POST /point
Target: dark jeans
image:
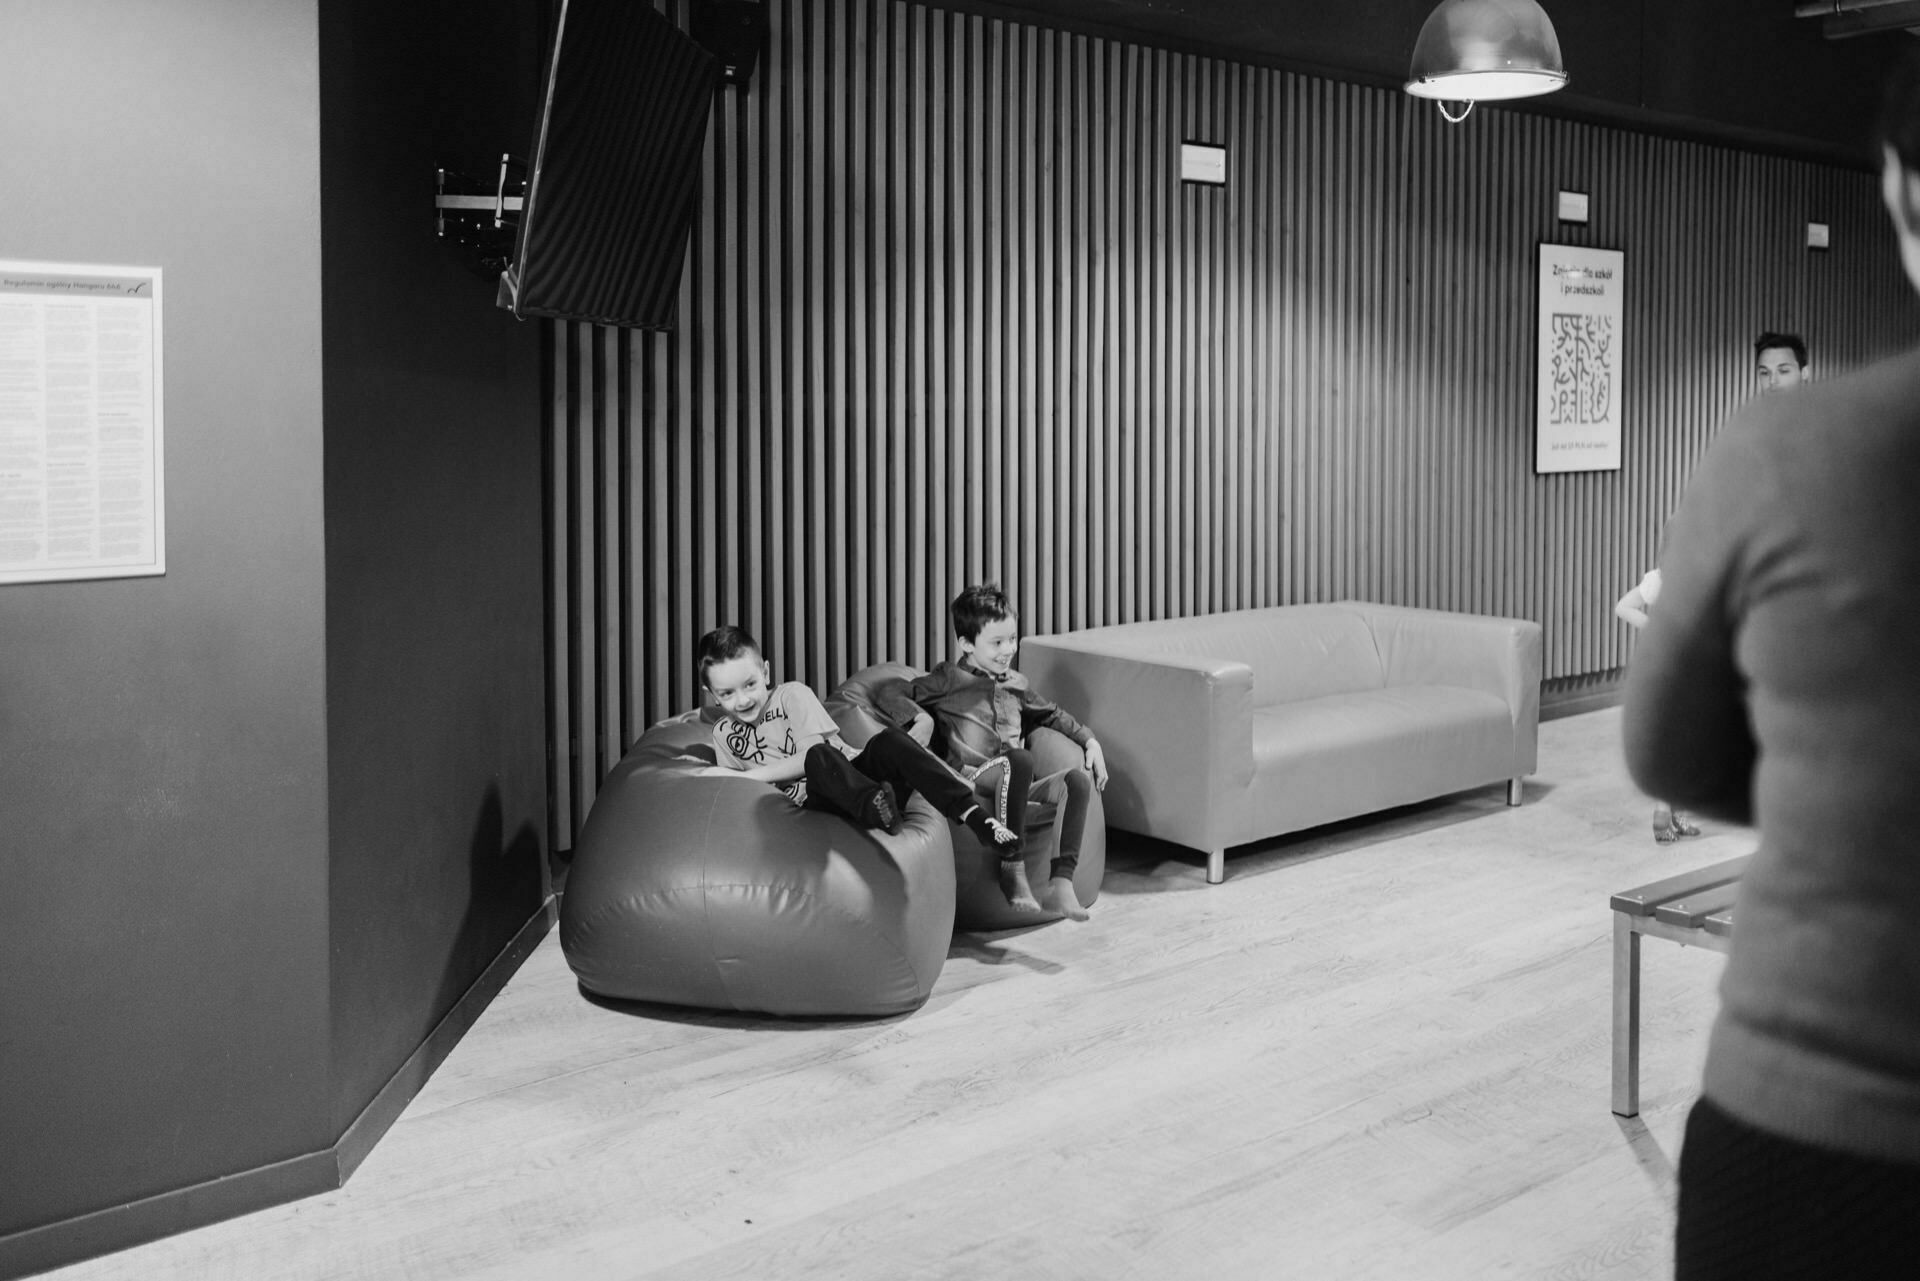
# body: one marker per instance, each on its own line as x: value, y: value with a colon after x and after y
x: 843, y: 786
x: 1758, y: 1207
x: 1069, y: 792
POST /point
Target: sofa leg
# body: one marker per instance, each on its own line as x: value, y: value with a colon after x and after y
x: 1513, y: 791
x: 1216, y: 866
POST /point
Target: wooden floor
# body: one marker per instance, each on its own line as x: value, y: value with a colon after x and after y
x: 1377, y: 1051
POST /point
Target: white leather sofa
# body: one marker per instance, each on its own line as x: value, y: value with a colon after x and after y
x: 1230, y: 728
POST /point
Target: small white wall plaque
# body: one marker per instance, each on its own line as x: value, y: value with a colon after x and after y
x: 1203, y: 162
x: 1816, y: 235
x: 1573, y: 206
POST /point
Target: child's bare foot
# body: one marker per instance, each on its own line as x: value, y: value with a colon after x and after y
x: 989, y: 829
x: 1059, y: 897
x: 1013, y: 883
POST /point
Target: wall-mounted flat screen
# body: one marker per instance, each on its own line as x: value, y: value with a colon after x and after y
x: 615, y: 176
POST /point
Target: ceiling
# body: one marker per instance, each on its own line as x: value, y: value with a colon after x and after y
x: 1845, y: 19
x: 1745, y: 72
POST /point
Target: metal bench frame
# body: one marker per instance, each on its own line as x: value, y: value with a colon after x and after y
x: 1694, y: 909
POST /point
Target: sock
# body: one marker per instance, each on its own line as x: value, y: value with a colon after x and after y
x: 880, y: 810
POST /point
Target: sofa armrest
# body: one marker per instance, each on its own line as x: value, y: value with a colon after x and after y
x: 1498, y: 656
x: 1177, y: 731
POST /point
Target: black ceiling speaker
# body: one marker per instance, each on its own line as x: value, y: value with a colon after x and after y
x: 733, y: 31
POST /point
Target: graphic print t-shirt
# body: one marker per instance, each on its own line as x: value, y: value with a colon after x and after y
x: 793, y: 715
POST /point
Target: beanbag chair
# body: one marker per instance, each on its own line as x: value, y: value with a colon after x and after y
x: 721, y: 893
x: 978, y: 902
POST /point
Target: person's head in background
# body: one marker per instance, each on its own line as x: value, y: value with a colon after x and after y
x: 1781, y: 359
x: 1899, y: 134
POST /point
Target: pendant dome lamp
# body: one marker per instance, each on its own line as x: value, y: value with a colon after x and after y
x: 1485, y: 50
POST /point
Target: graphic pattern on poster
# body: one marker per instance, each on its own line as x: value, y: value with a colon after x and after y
x: 1582, y: 369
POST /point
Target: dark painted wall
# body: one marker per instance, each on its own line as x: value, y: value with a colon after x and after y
x: 435, y: 659
x: 163, y: 788
x: 267, y: 818
x: 1740, y: 71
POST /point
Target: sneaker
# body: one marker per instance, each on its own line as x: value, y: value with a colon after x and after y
x: 880, y: 810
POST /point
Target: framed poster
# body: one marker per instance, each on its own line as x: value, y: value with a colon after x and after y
x: 1577, y: 404
x: 81, y: 482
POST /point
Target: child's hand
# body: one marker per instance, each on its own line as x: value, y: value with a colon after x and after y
x: 1097, y: 764
x: 921, y: 731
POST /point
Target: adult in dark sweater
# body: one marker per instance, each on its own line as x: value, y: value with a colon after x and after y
x: 1778, y: 684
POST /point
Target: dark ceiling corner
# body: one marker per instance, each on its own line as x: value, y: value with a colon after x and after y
x: 1744, y: 73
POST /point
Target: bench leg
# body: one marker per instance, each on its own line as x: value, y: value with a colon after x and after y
x: 1216, y: 866
x: 1626, y: 1016
x: 1513, y: 791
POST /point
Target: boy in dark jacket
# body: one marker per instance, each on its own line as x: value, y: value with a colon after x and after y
x: 978, y: 712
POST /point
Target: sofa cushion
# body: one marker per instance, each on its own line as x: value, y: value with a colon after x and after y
x: 1322, y: 759
x: 1295, y: 651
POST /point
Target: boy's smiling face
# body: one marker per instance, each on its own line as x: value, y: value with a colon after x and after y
x: 741, y: 686
x: 993, y: 649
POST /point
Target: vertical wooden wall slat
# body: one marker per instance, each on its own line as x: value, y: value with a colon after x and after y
x: 949, y: 314
x: 583, y: 585
x: 611, y: 552
x: 560, y: 677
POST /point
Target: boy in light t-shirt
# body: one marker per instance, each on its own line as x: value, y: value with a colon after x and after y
x: 780, y: 734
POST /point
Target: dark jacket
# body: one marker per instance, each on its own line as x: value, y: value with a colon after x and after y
x: 976, y: 718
